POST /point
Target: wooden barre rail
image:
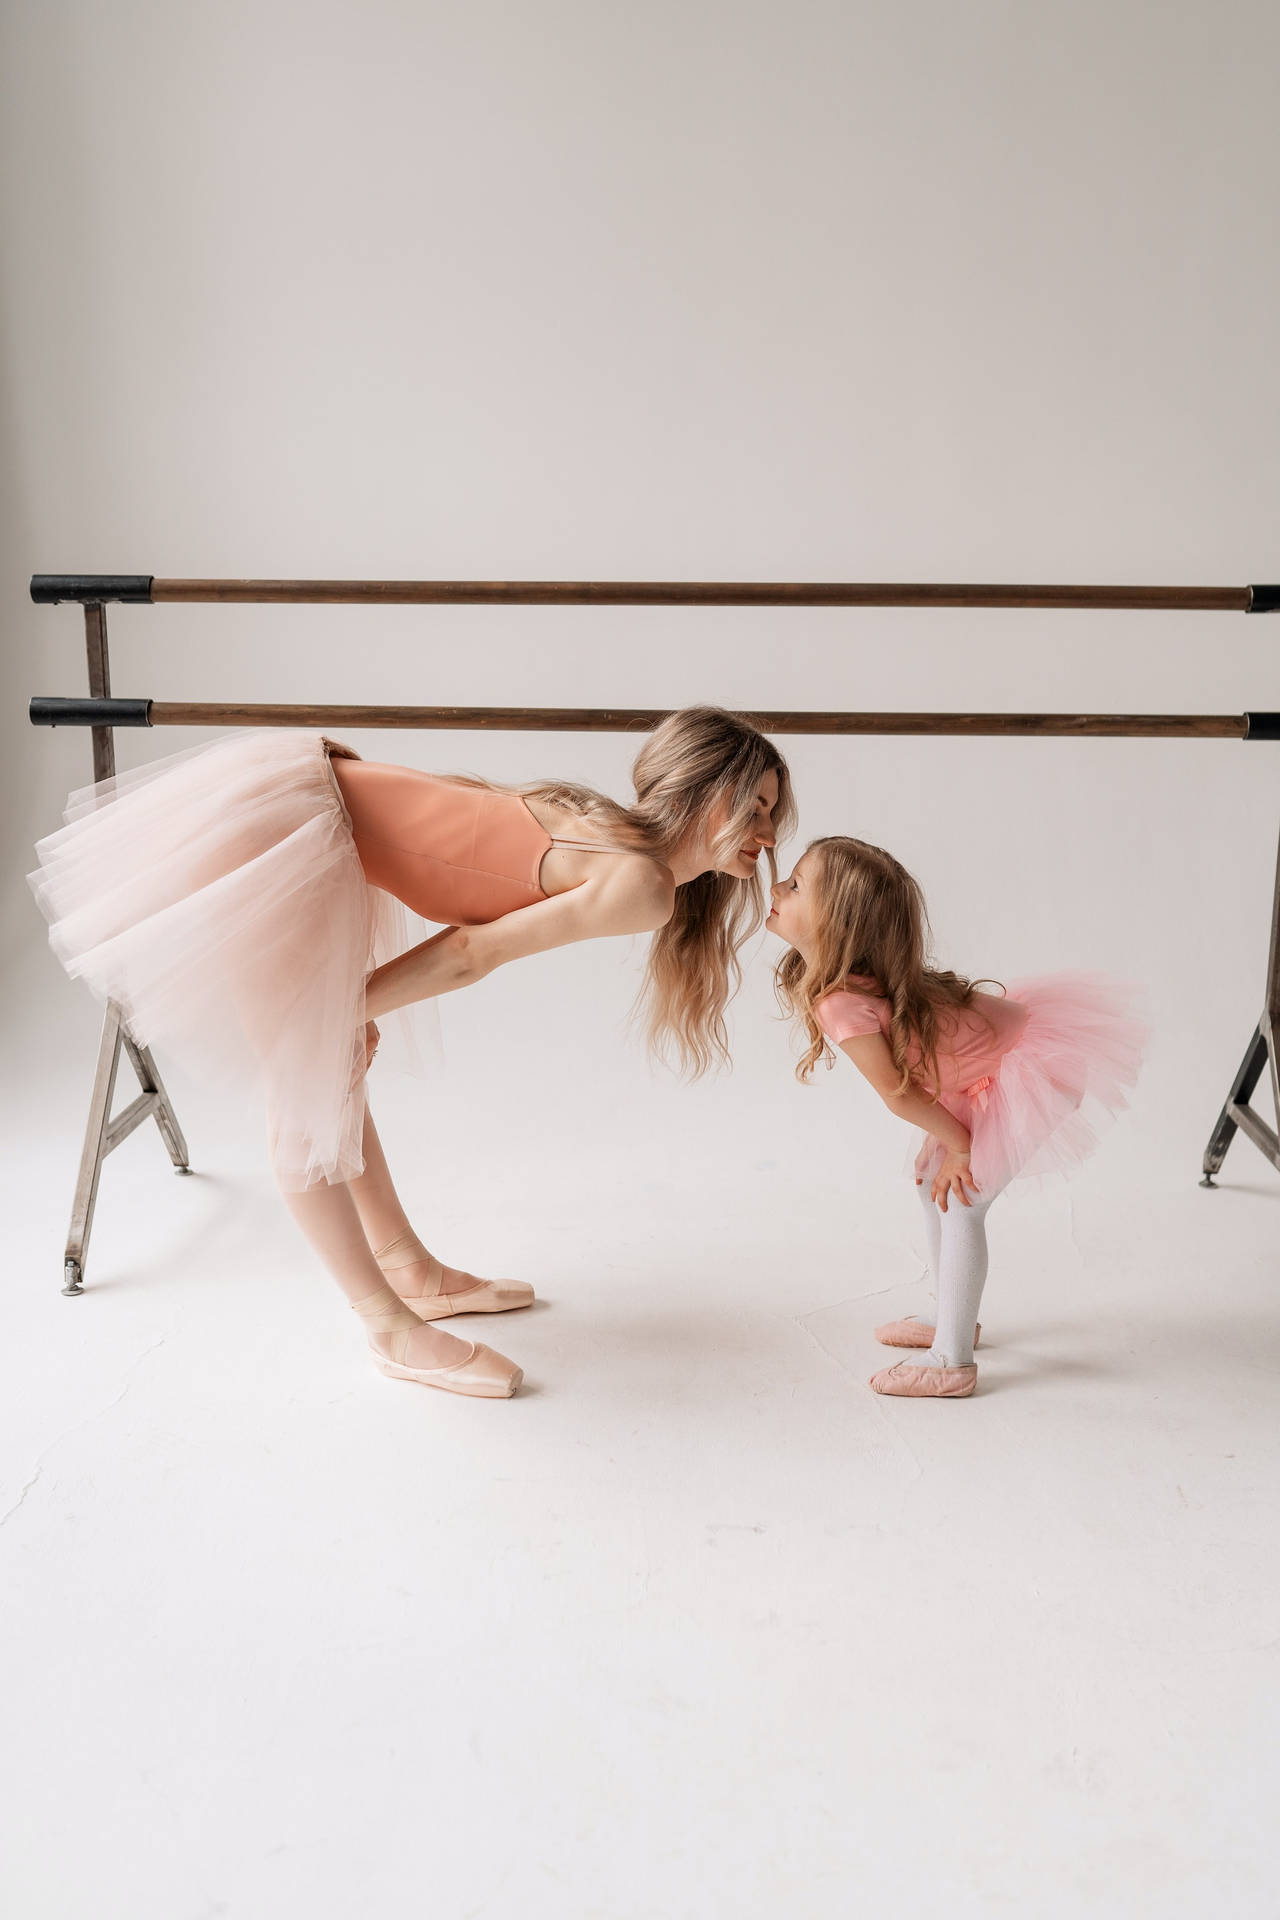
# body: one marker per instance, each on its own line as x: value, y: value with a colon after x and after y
x: 644, y: 719
x: 50, y: 588
x: 123, y: 712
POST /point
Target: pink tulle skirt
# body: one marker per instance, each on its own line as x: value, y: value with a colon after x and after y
x: 217, y: 897
x: 1068, y: 1075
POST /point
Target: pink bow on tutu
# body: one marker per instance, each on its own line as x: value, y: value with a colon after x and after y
x: 978, y: 1092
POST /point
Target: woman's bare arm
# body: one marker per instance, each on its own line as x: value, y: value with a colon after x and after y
x: 436, y: 963
x: 631, y: 896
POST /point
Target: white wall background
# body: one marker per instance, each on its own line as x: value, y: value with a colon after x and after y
x: 920, y: 291
x: 909, y: 292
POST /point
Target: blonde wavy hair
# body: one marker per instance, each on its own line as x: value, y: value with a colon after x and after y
x: 695, y: 760
x: 869, y: 917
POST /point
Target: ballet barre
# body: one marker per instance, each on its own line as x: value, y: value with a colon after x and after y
x: 48, y: 711
x: 144, y: 589
x: 103, y: 714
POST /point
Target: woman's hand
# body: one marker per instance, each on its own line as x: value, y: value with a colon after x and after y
x: 370, y: 1048
x: 952, y: 1177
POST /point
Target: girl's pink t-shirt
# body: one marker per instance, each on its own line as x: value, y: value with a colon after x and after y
x: 972, y: 1041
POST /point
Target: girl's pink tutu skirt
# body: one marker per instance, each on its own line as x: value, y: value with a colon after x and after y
x: 217, y: 897
x: 1066, y: 1077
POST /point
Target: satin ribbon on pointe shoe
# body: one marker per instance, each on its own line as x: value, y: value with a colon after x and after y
x: 481, y: 1373
x: 484, y: 1296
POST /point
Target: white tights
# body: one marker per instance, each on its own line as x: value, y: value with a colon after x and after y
x: 957, y: 1246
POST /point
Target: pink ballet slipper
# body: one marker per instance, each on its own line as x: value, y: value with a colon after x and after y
x: 926, y: 1383
x: 912, y: 1333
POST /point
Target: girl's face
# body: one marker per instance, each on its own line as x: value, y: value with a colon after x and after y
x: 741, y: 863
x: 794, y: 905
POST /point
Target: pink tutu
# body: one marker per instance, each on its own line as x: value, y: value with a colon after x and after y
x: 217, y: 897
x: 1068, y: 1074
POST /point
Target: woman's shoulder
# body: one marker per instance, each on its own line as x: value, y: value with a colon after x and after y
x: 633, y: 891
x: 638, y: 884
x: 647, y: 880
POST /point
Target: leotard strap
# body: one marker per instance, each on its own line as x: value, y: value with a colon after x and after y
x: 588, y: 846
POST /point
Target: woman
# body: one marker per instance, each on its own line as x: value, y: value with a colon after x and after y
x: 232, y: 898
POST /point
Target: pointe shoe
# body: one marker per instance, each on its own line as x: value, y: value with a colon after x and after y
x: 484, y: 1374
x: 483, y: 1296
x: 926, y: 1383
x: 912, y: 1333
x: 481, y: 1372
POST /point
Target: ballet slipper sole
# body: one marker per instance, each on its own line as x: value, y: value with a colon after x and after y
x: 906, y: 1382
x: 913, y: 1333
x: 454, y: 1379
x: 488, y: 1297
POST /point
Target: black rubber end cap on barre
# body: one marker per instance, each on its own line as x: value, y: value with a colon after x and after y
x: 50, y: 589
x: 1264, y: 599
x: 1262, y: 726
x: 46, y: 711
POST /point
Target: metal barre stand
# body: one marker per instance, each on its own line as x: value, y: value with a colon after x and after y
x: 103, y: 714
x: 103, y: 1134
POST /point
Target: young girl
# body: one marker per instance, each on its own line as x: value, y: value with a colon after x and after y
x: 996, y: 1083
x: 232, y: 899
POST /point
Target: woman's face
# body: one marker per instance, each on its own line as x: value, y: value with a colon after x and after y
x: 741, y: 863
x: 791, y: 915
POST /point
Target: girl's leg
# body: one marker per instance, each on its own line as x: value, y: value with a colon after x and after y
x: 329, y: 1220
x: 961, y: 1274
x: 918, y: 1330
x: 409, y: 1267
x: 932, y: 1230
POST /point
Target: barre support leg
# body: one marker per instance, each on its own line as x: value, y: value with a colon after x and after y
x: 1237, y: 1113
x: 102, y: 1133
x: 161, y: 1109
x: 92, y: 1155
x: 99, y: 662
x: 1260, y: 1053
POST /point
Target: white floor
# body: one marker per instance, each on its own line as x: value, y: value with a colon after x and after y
x: 695, y: 1626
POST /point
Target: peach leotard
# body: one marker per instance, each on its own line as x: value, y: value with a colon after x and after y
x: 458, y: 855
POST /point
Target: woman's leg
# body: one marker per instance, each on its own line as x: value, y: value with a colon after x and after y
x: 381, y: 1213
x: 409, y: 1267
x: 329, y: 1220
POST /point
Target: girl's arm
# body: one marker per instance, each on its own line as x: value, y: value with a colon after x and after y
x: 633, y: 895
x: 870, y: 1054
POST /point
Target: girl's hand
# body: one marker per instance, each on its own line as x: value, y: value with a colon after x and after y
x: 952, y: 1177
